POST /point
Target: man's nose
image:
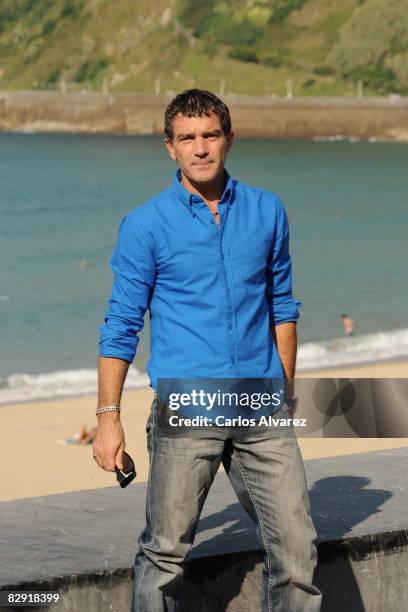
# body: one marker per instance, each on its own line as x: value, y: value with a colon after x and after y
x: 200, y: 147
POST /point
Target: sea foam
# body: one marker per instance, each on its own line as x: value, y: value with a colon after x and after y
x: 353, y: 350
x: 26, y: 387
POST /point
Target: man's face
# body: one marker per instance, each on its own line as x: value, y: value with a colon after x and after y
x: 200, y: 147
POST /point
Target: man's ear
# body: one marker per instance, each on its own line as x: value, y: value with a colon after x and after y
x: 230, y: 138
x: 170, y: 148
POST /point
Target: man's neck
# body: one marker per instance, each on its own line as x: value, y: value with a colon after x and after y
x: 210, y: 192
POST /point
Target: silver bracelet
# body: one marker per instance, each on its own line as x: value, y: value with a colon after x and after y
x: 112, y: 408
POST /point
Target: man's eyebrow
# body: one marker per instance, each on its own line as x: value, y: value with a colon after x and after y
x: 216, y: 132
x: 180, y: 136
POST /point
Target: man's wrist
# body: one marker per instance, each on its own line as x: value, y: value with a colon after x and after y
x: 108, y: 417
x: 108, y: 412
x: 108, y: 408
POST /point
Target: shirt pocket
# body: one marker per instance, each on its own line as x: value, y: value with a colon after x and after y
x: 253, y: 260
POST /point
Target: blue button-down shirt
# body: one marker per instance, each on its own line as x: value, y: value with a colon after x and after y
x: 212, y: 291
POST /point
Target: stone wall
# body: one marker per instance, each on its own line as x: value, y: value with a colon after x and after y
x: 38, y: 111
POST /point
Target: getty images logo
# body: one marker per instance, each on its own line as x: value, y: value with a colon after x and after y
x: 209, y: 400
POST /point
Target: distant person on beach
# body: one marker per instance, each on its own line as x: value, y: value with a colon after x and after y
x: 209, y: 258
x: 348, y: 324
x: 83, y: 436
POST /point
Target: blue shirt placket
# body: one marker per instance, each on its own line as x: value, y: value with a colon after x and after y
x: 229, y: 305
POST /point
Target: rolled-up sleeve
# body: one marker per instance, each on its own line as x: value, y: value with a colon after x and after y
x: 133, y: 265
x: 282, y: 305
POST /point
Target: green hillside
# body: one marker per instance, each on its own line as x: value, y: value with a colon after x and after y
x: 243, y: 46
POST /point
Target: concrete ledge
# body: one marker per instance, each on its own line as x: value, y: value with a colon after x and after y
x: 83, y: 543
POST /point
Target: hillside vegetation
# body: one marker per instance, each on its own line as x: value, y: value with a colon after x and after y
x: 242, y: 46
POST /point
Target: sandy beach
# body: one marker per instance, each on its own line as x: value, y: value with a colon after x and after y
x: 35, y: 463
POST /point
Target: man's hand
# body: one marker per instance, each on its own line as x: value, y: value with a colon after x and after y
x: 109, y: 442
x: 290, y: 399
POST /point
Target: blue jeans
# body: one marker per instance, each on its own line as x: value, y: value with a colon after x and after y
x: 267, y: 473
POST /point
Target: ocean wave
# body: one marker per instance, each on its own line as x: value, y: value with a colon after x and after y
x: 353, y: 350
x: 28, y: 387
x: 343, y: 138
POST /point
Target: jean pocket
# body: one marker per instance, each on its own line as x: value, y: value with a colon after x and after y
x: 150, y: 425
x: 253, y: 259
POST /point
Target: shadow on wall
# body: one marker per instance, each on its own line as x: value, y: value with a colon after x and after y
x: 338, y: 504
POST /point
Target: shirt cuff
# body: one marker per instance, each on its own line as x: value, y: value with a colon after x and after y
x: 284, y: 310
x: 117, y: 345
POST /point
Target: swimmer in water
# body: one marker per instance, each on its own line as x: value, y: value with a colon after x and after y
x: 348, y: 324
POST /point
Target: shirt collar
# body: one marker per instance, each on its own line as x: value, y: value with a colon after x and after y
x: 188, y: 198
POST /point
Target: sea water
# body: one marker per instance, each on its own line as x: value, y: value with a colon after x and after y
x: 62, y: 198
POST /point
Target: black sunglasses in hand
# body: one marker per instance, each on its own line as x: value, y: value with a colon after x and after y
x: 125, y: 476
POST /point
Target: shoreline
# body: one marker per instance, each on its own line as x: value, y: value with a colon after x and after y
x: 399, y: 363
x: 382, y: 119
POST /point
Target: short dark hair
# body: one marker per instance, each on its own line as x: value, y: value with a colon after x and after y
x: 196, y: 103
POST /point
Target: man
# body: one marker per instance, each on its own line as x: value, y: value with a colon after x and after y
x: 209, y: 258
x: 348, y: 324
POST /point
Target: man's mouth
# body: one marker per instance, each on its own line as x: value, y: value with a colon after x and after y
x: 202, y: 163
